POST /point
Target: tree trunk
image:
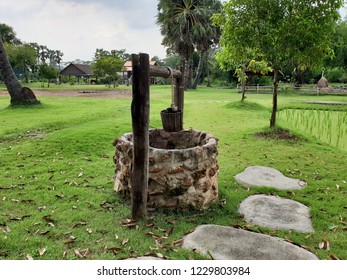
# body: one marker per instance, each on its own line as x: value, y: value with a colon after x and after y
x: 187, y: 74
x: 274, y: 100
x: 19, y: 95
x: 243, y: 85
x: 199, y: 70
x: 208, y: 72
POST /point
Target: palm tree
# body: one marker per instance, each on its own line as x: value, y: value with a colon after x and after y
x: 186, y: 26
x: 58, y: 57
x: 19, y: 94
x: 43, y: 53
x: 207, y: 34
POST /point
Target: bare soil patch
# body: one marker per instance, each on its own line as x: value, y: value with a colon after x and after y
x: 84, y: 93
x: 277, y: 134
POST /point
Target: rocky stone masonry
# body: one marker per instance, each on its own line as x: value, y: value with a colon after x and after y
x: 183, y: 168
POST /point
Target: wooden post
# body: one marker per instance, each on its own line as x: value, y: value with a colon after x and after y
x: 140, y: 123
x: 179, y: 93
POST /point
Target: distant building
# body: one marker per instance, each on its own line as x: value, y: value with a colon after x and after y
x: 128, y: 71
x: 78, y: 71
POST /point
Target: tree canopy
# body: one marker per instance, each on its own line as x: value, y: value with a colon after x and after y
x: 22, y: 57
x: 107, y: 63
x: 186, y: 26
x: 280, y: 32
x: 8, y: 35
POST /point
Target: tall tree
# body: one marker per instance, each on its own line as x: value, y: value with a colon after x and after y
x: 340, y: 46
x: 280, y: 32
x: 108, y: 66
x: 8, y: 35
x: 47, y: 72
x: 186, y: 26
x: 43, y: 53
x: 22, y: 57
x: 19, y: 95
x: 207, y: 34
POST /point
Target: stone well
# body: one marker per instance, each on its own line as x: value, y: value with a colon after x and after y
x: 183, y: 168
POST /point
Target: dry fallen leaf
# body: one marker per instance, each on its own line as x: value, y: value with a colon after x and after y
x: 288, y: 239
x: 80, y: 175
x: 89, y: 230
x: 333, y: 257
x: 106, y: 205
x: 87, y: 158
x: 60, y: 195
x: 116, y: 236
x: 84, y: 252
x: 79, y: 224
x: 41, y: 232
x: 327, y: 244
x: 78, y: 254
x: 6, y: 229
x: 125, y: 241
x: 129, y: 223
x: 42, y: 251
x: 30, y: 258
x: 20, y: 218
x: 159, y: 255
x: 150, y: 225
x: 48, y: 218
x: 114, y: 250
x: 71, y: 239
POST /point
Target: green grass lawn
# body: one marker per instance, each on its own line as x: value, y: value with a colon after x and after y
x: 56, y: 181
x: 66, y: 86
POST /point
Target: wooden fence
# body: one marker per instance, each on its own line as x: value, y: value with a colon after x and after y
x: 303, y: 89
x: 259, y: 89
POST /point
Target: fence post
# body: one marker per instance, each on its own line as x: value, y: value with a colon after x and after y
x: 140, y: 124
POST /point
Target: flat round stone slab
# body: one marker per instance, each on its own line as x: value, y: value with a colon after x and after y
x: 228, y: 243
x: 262, y: 176
x: 144, y: 258
x: 275, y: 212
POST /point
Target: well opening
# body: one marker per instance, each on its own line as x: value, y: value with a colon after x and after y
x: 183, y: 168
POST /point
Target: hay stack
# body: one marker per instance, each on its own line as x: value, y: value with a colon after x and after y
x: 323, y: 83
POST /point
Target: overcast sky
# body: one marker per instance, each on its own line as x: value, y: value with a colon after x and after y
x: 79, y: 27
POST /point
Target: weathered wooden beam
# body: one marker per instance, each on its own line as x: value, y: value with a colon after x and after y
x: 140, y: 123
x: 179, y: 93
x: 164, y: 72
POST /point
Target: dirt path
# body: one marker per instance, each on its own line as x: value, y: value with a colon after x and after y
x: 85, y: 93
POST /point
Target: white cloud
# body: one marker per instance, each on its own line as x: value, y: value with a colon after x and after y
x: 77, y: 28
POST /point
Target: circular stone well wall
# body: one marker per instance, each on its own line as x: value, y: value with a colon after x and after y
x: 183, y: 168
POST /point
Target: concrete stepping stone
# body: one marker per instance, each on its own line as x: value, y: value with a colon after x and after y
x: 144, y: 258
x: 262, y: 176
x: 228, y: 243
x: 275, y: 212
